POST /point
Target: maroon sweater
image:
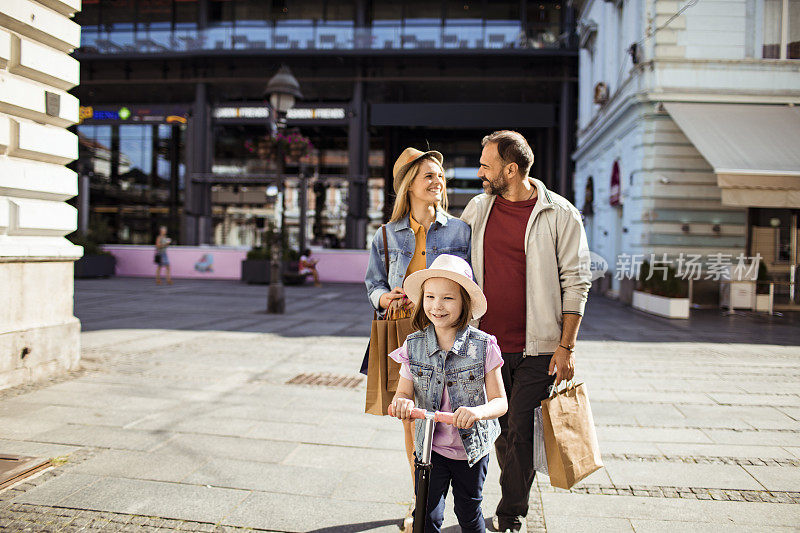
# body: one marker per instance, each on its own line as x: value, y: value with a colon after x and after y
x: 504, y: 269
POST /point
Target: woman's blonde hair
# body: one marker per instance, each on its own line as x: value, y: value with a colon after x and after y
x: 402, y: 205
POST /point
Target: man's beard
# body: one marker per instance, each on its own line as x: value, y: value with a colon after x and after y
x: 497, y: 187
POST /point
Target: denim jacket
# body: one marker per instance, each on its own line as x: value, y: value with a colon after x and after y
x: 462, y: 370
x: 446, y: 235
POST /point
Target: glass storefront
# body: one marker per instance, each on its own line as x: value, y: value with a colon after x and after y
x: 120, y: 26
x: 242, y: 214
x: 775, y: 234
x: 136, y: 174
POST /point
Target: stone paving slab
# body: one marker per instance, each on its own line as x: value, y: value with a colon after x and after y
x: 776, y: 478
x: 576, y: 524
x: 672, y: 526
x: 156, y: 498
x: 141, y: 465
x: 778, y: 400
x: 266, y: 477
x: 198, y: 447
x: 682, y: 475
x: 306, y: 433
x: 590, y: 507
x: 25, y: 428
x: 635, y: 434
x: 725, y: 450
x: 101, y: 416
x: 759, y: 438
x: 344, y: 459
x: 57, y: 488
x: 280, y: 512
x: 103, y: 437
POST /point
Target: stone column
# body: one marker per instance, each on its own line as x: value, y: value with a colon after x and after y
x: 39, y: 336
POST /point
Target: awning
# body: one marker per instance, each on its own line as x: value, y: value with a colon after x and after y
x: 753, y: 149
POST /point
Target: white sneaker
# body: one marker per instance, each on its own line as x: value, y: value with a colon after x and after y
x: 496, y: 526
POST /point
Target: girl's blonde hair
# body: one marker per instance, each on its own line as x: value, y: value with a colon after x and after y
x: 402, y: 205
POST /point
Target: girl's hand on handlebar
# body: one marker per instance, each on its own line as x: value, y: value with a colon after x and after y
x: 401, y: 407
x: 465, y: 417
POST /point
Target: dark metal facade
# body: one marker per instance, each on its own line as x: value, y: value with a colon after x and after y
x: 444, y: 73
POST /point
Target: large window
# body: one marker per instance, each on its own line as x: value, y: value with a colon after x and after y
x: 121, y: 26
x: 135, y: 174
x: 781, y: 29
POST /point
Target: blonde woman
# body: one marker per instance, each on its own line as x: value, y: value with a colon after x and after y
x: 419, y: 231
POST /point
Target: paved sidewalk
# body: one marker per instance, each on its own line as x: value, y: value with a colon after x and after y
x: 184, y: 420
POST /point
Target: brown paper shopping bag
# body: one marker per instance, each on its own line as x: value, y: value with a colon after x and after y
x: 383, y: 372
x: 569, y: 436
x: 386, y: 335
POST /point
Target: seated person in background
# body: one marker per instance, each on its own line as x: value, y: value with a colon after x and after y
x: 205, y: 264
x: 309, y: 266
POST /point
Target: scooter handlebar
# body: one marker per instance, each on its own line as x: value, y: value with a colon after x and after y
x: 417, y: 413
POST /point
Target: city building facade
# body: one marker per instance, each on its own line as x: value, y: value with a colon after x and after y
x: 174, y: 117
x: 39, y: 335
x: 687, y: 130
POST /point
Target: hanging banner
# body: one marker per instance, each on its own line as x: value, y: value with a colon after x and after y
x: 614, y: 189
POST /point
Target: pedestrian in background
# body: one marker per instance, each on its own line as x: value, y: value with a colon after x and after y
x: 446, y: 299
x: 531, y: 259
x: 161, y: 258
x: 420, y: 229
x: 308, y: 266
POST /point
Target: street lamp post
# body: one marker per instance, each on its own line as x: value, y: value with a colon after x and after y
x: 282, y: 90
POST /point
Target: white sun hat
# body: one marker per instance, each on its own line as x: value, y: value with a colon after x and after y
x: 453, y: 268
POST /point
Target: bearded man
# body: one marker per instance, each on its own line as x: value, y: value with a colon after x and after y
x: 531, y: 259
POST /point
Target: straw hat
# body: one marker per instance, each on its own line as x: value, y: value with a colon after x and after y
x: 407, y: 160
x: 450, y: 267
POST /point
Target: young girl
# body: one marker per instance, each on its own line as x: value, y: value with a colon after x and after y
x: 453, y: 367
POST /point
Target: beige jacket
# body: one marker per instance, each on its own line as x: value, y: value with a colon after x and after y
x: 557, y: 258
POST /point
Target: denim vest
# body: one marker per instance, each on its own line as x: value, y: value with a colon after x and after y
x: 462, y: 370
x: 446, y: 235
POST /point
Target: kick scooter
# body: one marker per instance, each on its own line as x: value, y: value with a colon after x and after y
x: 423, y: 464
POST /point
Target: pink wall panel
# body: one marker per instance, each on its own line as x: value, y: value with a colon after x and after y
x: 337, y: 266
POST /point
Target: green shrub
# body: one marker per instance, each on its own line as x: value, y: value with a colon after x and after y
x: 265, y: 251
x: 659, y: 284
x: 98, y: 234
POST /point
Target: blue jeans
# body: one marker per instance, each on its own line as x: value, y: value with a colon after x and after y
x: 467, y: 492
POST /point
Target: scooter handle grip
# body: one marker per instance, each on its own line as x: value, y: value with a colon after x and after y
x: 417, y: 413
x: 446, y: 418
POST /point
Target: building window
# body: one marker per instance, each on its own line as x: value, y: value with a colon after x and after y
x: 781, y: 29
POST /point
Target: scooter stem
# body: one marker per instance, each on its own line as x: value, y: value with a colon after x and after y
x: 427, y: 439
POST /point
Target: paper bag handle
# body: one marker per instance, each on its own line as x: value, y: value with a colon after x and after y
x: 568, y: 384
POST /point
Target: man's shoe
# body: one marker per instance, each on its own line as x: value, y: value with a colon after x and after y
x: 513, y: 525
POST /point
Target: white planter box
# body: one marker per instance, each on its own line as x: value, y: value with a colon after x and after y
x: 661, y: 305
x: 762, y: 302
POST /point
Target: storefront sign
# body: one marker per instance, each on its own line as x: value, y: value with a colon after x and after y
x: 614, y: 189
x: 138, y: 114
x: 241, y: 112
x: 296, y: 113
x: 316, y: 113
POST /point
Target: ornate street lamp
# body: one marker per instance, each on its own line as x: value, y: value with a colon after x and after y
x: 282, y: 90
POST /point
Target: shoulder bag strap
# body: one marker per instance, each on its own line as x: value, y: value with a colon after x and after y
x: 385, y: 251
x: 386, y: 260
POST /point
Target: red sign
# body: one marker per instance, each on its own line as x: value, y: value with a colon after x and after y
x: 614, y: 190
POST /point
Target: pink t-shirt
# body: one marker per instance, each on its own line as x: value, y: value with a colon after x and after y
x: 446, y: 438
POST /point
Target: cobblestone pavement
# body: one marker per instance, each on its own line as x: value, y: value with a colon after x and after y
x: 183, y: 418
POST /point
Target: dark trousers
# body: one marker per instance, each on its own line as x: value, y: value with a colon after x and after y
x: 467, y: 492
x: 527, y: 384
